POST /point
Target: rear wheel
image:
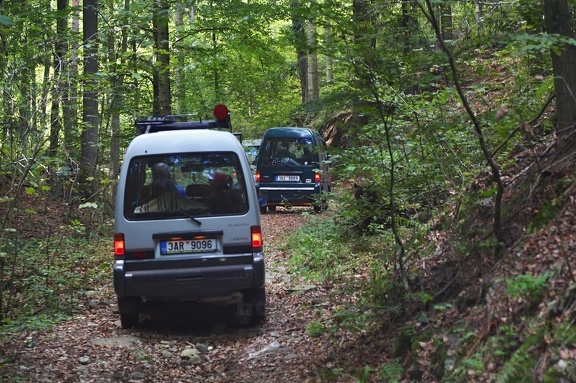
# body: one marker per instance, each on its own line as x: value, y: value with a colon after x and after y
x: 129, y: 320
x: 129, y: 312
x: 262, y: 209
x: 272, y: 208
x: 257, y: 300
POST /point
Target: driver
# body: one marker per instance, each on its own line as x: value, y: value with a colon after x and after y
x: 163, y: 194
x: 284, y: 152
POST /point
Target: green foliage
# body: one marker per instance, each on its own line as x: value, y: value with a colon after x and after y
x: 466, y: 369
x: 330, y: 373
x: 315, y: 329
x: 352, y: 317
x: 314, y: 252
x: 50, y: 279
x: 391, y: 372
x: 520, y: 367
x: 548, y: 211
x: 363, y: 374
x: 527, y: 286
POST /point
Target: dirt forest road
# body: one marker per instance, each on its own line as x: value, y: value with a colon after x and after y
x: 188, y: 345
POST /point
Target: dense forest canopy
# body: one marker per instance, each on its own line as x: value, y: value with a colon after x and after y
x: 425, y: 103
x: 76, y: 74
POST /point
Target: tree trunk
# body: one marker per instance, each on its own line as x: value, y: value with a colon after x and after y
x: 558, y: 20
x: 180, y: 76
x: 89, y: 149
x: 59, y: 62
x: 161, y: 52
x: 313, y: 90
x: 329, y: 62
x: 299, y: 33
x: 446, y: 22
x: 117, y: 97
x: 364, y: 43
x: 70, y: 92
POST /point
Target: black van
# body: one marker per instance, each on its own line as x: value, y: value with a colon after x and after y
x: 293, y: 169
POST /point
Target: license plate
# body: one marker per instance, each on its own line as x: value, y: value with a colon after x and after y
x: 288, y: 178
x: 188, y: 246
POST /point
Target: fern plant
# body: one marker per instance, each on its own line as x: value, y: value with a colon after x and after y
x: 520, y: 367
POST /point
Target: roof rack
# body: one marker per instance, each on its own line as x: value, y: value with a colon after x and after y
x: 181, y: 122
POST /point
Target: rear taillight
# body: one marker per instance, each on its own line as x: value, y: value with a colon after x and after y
x: 316, y: 177
x: 119, y: 249
x: 256, y: 237
x: 257, y: 177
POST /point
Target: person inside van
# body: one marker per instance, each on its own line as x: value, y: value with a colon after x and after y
x: 283, y: 151
x: 162, y: 194
x: 223, y: 197
x: 306, y: 158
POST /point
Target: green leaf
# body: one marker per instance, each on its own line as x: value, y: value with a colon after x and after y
x: 5, y: 20
x: 88, y: 205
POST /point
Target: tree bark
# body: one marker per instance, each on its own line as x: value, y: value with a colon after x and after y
x: 313, y: 90
x: 299, y: 35
x: 89, y: 149
x: 117, y: 98
x: 558, y: 21
x: 163, y: 95
x: 59, y: 68
x: 70, y: 92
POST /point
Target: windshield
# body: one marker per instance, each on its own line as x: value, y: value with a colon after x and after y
x: 283, y: 150
x: 185, y: 185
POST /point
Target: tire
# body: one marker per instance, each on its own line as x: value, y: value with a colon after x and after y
x: 129, y: 320
x: 272, y: 208
x: 262, y: 209
x: 129, y: 312
x: 257, y: 300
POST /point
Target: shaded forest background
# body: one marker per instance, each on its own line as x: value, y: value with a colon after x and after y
x: 451, y: 129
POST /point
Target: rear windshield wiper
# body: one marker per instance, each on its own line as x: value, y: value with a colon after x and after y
x: 193, y: 218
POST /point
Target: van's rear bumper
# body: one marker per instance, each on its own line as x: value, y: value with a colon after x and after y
x: 181, y: 283
x: 296, y: 195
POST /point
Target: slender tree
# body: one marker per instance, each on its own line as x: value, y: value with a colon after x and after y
x: 89, y: 152
x: 60, y: 51
x: 559, y: 21
x: 299, y: 36
x: 70, y: 88
x: 163, y: 98
x: 313, y: 89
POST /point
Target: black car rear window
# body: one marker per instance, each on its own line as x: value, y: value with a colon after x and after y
x: 185, y: 184
x: 300, y: 150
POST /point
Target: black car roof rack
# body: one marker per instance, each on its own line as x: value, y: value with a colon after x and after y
x: 182, y: 122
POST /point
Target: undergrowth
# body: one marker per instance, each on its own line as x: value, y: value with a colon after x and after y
x: 50, y: 278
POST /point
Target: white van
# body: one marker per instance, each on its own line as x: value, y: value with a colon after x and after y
x: 187, y: 221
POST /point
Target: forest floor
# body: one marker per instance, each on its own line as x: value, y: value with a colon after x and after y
x: 193, y: 344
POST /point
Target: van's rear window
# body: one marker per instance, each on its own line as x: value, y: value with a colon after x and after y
x: 301, y: 151
x: 185, y: 184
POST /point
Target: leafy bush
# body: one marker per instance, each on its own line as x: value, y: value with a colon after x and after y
x: 49, y: 278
